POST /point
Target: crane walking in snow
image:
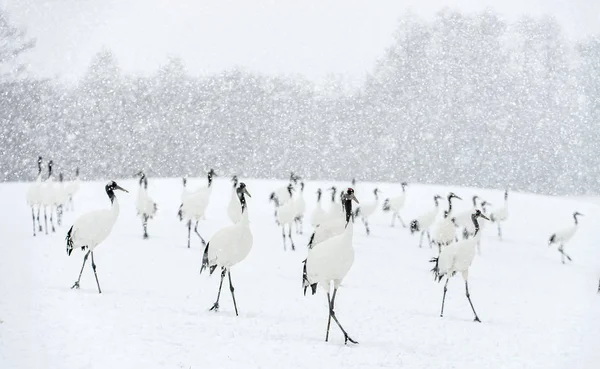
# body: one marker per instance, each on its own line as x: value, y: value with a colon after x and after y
x: 193, y: 205
x: 366, y: 210
x: 457, y: 257
x: 34, y: 196
x: 90, y: 229
x: 396, y: 204
x: 563, y: 236
x: 285, y: 214
x: 424, y: 222
x: 229, y: 246
x: 329, y: 261
x: 144, y: 204
x: 500, y: 215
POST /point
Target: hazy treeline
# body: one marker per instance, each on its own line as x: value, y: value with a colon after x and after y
x: 459, y: 99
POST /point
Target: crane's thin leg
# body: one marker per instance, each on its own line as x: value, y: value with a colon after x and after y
x: 52, y: 220
x: 301, y: 223
x: 328, y: 317
x: 421, y: 239
x: 38, y: 218
x: 291, y: 240
x: 95, y: 274
x: 45, y: 220
x: 563, y: 254
x: 444, y: 296
x: 366, y: 221
x: 189, y: 231
x: 76, y: 284
x: 196, y: 230
x: 215, y: 307
x: 499, y: 232
x: 429, y: 238
x: 33, y: 219
x: 599, y: 286
x: 145, y: 225
x: 283, y: 234
x: 332, y: 314
x: 401, y: 221
x: 232, y: 294
x: 59, y: 214
x: 471, y: 303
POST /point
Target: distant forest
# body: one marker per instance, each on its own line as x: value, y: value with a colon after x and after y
x: 461, y: 99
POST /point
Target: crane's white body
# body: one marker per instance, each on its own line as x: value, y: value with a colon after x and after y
x: 299, y: 204
x: 231, y: 244
x: 144, y: 204
x: 328, y: 229
x: 369, y: 208
x: 500, y: 215
x: 395, y: 205
x: 458, y: 256
x: 234, y: 208
x: 424, y: 221
x: 444, y: 231
x: 194, y: 203
x: 34, y: 192
x: 286, y: 212
x: 318, y: 215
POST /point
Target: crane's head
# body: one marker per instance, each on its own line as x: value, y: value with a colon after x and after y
x: 234, y: 179
x: 479, y: 214
x: 242, y: 190
x: 39, y: 160
x: 212, y: 173
x: 353, y: 181
x: 333, y: 189
x: 452, y: 195
x: 577, y: 214
x: 506, y: 194
x: 349, y: 195
x: 404, y: 185
x: 319, y: 191
x: 112, y: 186
x: 376, y: 191
x: 302, y: 186
x: 290, y: 189
x: 475, y: 198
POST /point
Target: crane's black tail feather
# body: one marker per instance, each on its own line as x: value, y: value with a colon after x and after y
x: 305, y: 282
x: 414, y: 226
x: 552, y: 239
x: 436, y: 270
x: 386, y: 205
x: 69, y: 241
x: 205, y: 261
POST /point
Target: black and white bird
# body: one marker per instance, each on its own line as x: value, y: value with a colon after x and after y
x: 329, y: 261
x: 563, y: 236
x: 90, y: 229
x: 34, y: 197
x: 425, y: 221
x: 500, y: 215
x: 367, y: 210
x: 229, y: 246
x: 285, y: 214
x: 48, y: 198
x: 299, y: 209
x: 457, y: 258
x: 194, y: 204
x: 318, y: 214
x: 396, y: 204
x: 144, y: 204
x: 444, y: 230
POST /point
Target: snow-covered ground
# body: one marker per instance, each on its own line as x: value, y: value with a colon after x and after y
x: 153, y: 312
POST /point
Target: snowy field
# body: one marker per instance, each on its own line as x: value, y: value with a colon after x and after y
x: 153, y: 310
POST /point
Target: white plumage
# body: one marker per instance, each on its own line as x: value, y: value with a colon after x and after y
x: 500, y: 215
x: 563, y: 236
x: 396, y: 204
x: 318, y: 214
x: 457, y: 257
x: 285, y: 214
x: 444, y: 230
x: 194, y: 204
x: 47, y: 198
x: 229, y: 246
x: 299, y: 209
x: 233, y: 208
x: 367, y: 210
x: 90, y: 229
x: 144, y: 204
x: 423, y: 222
x: 329, y: 261
x: 34, y: 196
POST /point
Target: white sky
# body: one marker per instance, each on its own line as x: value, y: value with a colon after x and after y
x: 309, y: 37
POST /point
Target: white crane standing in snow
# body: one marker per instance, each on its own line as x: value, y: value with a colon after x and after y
x: 229, y: 246
x: 366, y: 210
x: 329, y: 262
x: 48, y: 198
x: 194, y: 204
x: 299, y: 209
x: 563, y: 236
x: 424, y: 221
x: 34, y: 196
x: 144, y: 204
x: 318, y: 214
x: 457, y: 257
x: 500, y: 215
x: 72, y: 189
x: 90, y: 229
x: 233, y: 208
x: 396, y: 204
x: 445, y: 232
x: 285, y: 214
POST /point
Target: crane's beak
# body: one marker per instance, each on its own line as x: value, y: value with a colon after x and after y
x: 117, y: 187
x: 484, y: 217
x: 355, y: 199
x: 247, y: 193
x: 460, y: 198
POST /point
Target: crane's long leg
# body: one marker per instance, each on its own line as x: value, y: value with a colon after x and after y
x: 563, y: 254
x: 328, y: 317
x: 52, y: 220
x: 76, y: 284
x: 215, y: 307
x: 232, y: 294
x: 33, y: 219
x: 290, y: 234
x: 59, y: 214
x: 429, y: 238
x: 421, y: 239
x: 366, y: 221
x: 95, y: 274
x: 45, y: 220
x: 38, y: 218
x: 332, y: 314
x: 471, y: 303
x: 444, y: 296
x: 401, y: 221
x: 300, y: 226
x: 283, y: 234
x: 196, y: 230
x: 189, y: 231
x: 499, y: 231
x: 145, y: 225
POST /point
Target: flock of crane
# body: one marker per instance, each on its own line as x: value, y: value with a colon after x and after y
x: 455, y: 235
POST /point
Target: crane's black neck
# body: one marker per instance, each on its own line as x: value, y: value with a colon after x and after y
x: 347, y: 201
x: 145, y: 183
x: 242, y: 197
x: 449, y: 204
x: 576, y: 220
x: 437, y: 203
x: 475, y: 201
x: 333, y: 192
x: 39, y: 166
x: 319, y: 194
x: 210, y: 179
x: 290, y: 191
x: 475, y: 223
x: 274, y: 199
x: 235, y: 182
x: 111, y: 194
